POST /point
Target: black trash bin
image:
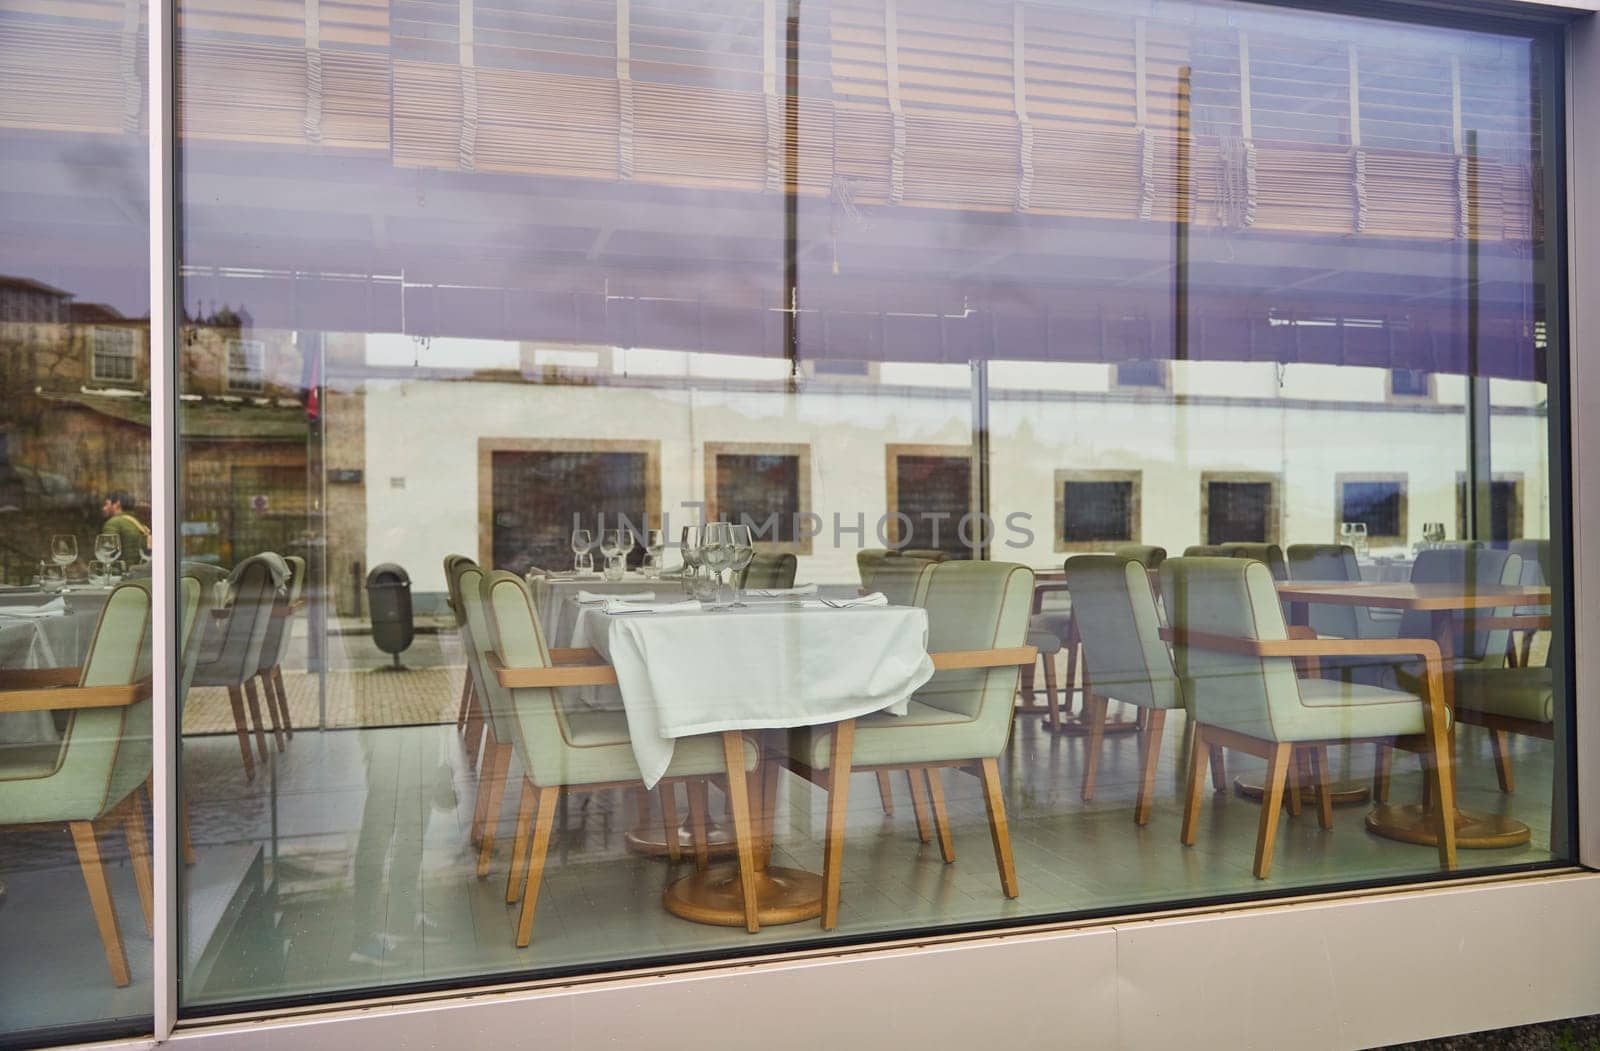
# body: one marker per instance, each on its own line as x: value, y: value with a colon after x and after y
x: 389, y: 602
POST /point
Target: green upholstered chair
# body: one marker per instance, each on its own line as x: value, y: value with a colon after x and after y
x: 768, y: 570
x: 1269, y: 554
x: 1124, y: 659
x: 231, y: 648
x: 585, y: 750
x: 275, y: 647
x: 90, y: 779
x: 961, y: 718
x: 868, y: 562
x: 1337, y: 562
x: 903, y: 581
x: 1509, y: 700
x: 927, y: 554
x: 1147, y: 555
x: 1235, y: 659
x: 469, y: 714
x: 1204, y: 551
x: 1535, y: 555
x: 492, y: 730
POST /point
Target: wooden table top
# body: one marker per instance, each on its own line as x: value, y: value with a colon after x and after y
x: 1429, y: 597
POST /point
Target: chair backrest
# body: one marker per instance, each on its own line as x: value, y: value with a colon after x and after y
x: 1327, y: 562
x: 1269, y: 554
x: 454, y: 596
x: 903, y: 581
x: 234, y: 649
x: 105, y: 752
x: 193, y: 604
x: 868, y: 561
x: 768, y: 570
x: 475, y: 635
x: 975, y: 605
x: 1470, y: 564
x: 1204, y: 551
x: 927, y: 554
x: 1235, y: 597
x: 538, y: 726
x: 279, y: 631
x: 1147, y: 555
x: 1115, y: 613
x: 1535, y: 555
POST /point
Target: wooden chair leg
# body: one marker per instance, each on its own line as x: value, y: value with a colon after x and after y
x: 886, y: 792
x: 844, y: 735
x: 1026, y: 684
x: 1151, y: 749
x: 236, y: 701
x: 519, y: 843
x: 1278, y: 763
x: 1199, y: 751
x: 254, y: 703
x: 1094, y: 709
x: 139, y: 857
x: 669, y: 819
x: 1051, y: 696
x: 105, y: 911
x: 466, y: 701
x: 1292, y: 782
x: 1382, y: 763
x: 1219, y: 769
x: 544, y: 820
x: 283, y: 701
x: 1512, y: 651
x: 1527, y: 649
x: 999, y: 829
x: 739, y: 810
x: 498, y: 763
x: 1318, y: 757
x: 272, y: 710
x: 1070, y: 688
x: 1500, y: 743
x: 1441, y: 774
x: 941, y: 815
x: 919, y: 803
x: 699, y: 803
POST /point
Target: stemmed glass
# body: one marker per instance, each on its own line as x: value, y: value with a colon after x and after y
x: 744, y: 552
x: 717, y: 554
x: 690, y: 552
x: 108, y: 547
x: 64, y: 550
x: 582, y: 541
x: 655, y: 546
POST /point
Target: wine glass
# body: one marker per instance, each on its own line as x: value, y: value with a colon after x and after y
x: 655, y: 546
x: 64, y: 549
x: 690, y: 551
x: 744, y: 552
x: 108, y: 547
x: 615, y: 545
x: 718, y: 553
x: 582, y: 541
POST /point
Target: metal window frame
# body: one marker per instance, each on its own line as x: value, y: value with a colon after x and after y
x: 1013, y: 956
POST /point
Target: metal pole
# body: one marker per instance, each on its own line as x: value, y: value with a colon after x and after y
x: 1478, y: 501
x: 165, y: 321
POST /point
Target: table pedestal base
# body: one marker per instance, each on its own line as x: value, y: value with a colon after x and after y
x: 714, y: 896
x: 1345, y: 793
x: 1409, y: 823
x: 651, y: 840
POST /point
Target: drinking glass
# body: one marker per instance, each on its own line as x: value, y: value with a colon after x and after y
x: 99, y: 575
x: 64, y: 549
x: 690, y: 552
x: 718, y: 554
x: 52, y: 576
x: 582, y: 541
x: 744, y: 552
x: 655, y: 546
x: 615, y: 545
x: 116, y: 569
x: 107, y: 547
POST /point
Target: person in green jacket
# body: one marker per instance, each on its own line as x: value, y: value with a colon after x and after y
x: 118, y: 509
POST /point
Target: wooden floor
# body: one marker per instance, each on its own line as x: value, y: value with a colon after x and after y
x: 393, y: 804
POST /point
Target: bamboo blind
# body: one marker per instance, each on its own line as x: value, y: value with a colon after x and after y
x: 923, y: 103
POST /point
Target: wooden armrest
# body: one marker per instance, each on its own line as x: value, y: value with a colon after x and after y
x: 1520, y: 622
x: 1316, y: 647
x: 546, y: 678
x: 38, y: 678
x: 289, y: 610
x: 575, y: 655
x: 1005, y: 657
x: 73, y: 697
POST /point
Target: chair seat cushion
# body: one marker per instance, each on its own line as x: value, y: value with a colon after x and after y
x: 1514, y: 693
x: 22, y: 762
x: 1056, y: 622
x: 606, y: 752
x: 1044, y: 641
x: 1330, y: 709
x: 925, y: 734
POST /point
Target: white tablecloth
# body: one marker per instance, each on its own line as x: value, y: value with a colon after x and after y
x: 770, y: 665
x: 558, y: 615
x: 56, y: 641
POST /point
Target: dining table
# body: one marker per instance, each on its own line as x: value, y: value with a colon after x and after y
x: 1448, y: 605
x: 40, y: 629
x: 775, y: 663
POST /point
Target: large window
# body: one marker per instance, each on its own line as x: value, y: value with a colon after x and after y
x: 1239, y: 507
x: 1096, y: 510
x: 766, y: 486
x: 930, y: 499
x: 1376, y: 501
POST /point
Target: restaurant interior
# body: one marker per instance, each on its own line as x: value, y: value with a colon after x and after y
x: 635, y: 460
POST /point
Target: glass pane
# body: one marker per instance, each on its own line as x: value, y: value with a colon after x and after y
x: 74, y: 522
x: 491, y: 309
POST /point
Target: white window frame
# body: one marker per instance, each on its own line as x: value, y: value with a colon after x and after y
x: 113, y: 343
x: 251, y: 378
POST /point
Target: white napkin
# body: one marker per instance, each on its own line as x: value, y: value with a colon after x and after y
x: 803, y: 589
x: 617, y: 605
x: 877, y: 598
x: 637, y: 596
x: 54, y: 608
